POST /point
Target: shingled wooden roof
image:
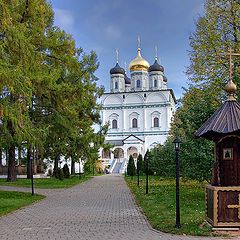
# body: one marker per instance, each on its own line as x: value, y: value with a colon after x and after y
x: 224, y: 121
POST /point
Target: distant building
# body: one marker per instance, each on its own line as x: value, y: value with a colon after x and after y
x: 139, y: 110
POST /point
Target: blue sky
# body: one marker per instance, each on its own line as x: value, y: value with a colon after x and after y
x: 104, y: 25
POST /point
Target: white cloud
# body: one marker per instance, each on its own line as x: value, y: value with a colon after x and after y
x: 63, y: 18
x: 112, y: 32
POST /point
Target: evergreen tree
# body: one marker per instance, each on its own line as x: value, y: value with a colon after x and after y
x: 65, y: 170
x: 49, y: 89
x: 131, y: 169
x: 140, y: 166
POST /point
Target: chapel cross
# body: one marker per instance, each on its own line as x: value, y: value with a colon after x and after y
x: 231, y: 53
x: 236, y: 206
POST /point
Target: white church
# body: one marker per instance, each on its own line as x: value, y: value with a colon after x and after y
x: 138, y: 109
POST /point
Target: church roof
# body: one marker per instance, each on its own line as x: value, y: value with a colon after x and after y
x: 131, y: 135
x: 117, y: 70
x: 225, y: 120
x: 156, y: 67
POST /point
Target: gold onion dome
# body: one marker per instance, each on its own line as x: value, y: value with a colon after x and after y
x: 231, y: 89
x: 139, y: 63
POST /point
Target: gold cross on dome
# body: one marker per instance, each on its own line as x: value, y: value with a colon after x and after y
x: 236, y: 206
x: 139, y: 41
x: 231, y: 54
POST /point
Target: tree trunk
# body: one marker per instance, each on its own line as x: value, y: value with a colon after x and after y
x: 72, y: 166
x: 57, y: 158
x: 19, y: 155
x: 1, y: 157
x: 12, y: 176
x: 29, y: 162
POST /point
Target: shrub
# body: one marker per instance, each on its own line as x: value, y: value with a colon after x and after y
x: 50, y: 172
x: 65, y: 170
x: 59, y: 174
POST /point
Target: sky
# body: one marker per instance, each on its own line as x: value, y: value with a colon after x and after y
x: 104, y: 25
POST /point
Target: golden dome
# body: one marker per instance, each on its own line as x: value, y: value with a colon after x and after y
x: 139, y: 63
x: 231, y: 89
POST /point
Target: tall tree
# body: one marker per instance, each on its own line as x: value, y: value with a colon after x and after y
x: 22, y: 28
x: 49, y: 88
x: 140, y: 166
x: 131, y: 169
x: 216, y: 31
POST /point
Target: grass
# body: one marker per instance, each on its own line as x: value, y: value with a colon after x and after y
x: 159, y: 205
x: 46, y: 182
x: 11, y: 201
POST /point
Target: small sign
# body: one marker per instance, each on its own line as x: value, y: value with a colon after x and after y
x: 227, y: 154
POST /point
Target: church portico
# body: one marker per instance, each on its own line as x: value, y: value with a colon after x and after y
x: 138, y: 109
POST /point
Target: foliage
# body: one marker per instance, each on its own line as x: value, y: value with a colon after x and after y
x: 50, y: 172
x: 148, y: 161
x: 49, y: 93
x: 131, y: 169
x: 11, y: 201
x: 140, y: 165
x: 159, y: 205
x: 216, y: 31
x: 58, y: 173
x: 65, y: 170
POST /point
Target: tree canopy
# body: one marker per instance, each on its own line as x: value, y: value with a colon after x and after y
x: 216, y: 31
x: 49, y: 91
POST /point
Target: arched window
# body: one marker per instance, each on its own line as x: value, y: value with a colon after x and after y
x: 156, y: 122
x: 114, y: 123
x: 116, y: 85
x: 138, y: 83
x: 134, y: 123
x: 155, y: 83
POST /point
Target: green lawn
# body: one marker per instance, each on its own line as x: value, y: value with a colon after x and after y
x: 46, y: 182
x: 159, y: 204
x: 10, y: 201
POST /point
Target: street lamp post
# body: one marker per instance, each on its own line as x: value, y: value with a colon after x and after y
x: 31, y: 172
x: 146, y: 159
x: 176, y: 143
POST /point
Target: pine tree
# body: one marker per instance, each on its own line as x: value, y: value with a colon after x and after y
x: 140, y: 166
x: 131, y: 169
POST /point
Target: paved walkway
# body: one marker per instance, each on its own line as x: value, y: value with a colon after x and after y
x: 100, y: 209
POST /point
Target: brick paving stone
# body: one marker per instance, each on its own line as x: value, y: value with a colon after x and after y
x: 100, y: 209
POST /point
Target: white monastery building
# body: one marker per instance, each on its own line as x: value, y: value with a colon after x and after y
x: 138, y: 109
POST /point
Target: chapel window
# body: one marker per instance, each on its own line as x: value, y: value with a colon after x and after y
x: 156, y: 122
x: 114, y: 124
x: 116, y: 85
x: 134, y: 123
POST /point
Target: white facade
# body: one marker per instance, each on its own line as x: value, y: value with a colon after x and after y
x: 139, y: 111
